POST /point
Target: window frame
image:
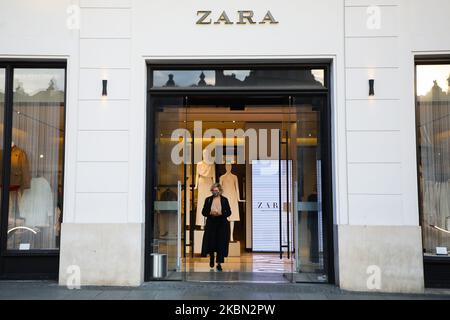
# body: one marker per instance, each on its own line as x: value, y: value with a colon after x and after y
x: 10, y: 66
x: 420, y: 61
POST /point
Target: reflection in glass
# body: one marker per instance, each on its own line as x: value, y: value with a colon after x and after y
x: 433, y: 126
x: 35, y: 197
x: 239, y: 78
x: 166, y: 184
x: 311, y: 255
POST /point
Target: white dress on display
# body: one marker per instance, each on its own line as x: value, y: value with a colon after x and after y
x: 206, y: 174
x: 36, y: 204
x: 230, y: 188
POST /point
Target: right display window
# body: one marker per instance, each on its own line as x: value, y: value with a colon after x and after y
x: 433, y: 138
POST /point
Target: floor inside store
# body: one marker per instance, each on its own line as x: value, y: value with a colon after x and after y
x: 249, y: 267
x: 247, y: 262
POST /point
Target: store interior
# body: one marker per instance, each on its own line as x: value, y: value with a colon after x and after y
x: 269, y: 239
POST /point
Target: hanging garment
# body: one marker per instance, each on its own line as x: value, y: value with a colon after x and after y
x: 230, y: 188
x: 20, y: 168
x: 36, y: 204
x: 206, y: 176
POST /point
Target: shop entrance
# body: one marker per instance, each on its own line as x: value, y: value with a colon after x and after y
x: 269, y: 151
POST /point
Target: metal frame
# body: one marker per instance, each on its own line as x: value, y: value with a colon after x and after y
x: 30, y: 264
x: 326, y: 149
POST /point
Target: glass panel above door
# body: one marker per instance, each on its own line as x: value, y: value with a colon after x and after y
x: 300, y: 78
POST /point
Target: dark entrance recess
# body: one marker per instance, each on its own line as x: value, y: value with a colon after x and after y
x: 233, y: 87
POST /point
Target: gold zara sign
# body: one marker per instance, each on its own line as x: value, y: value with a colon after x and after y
x: 242, y: 17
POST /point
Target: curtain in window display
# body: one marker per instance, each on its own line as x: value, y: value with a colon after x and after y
x: 434, y: 168
x: 38, y: 118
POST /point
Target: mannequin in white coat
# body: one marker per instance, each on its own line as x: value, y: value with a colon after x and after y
x: 205, y: 177
x: 230, y: 186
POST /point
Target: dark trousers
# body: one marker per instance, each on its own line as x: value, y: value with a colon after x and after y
x: 219, y: 257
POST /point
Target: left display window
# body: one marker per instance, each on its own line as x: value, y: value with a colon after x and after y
x: 2, y: 114
x: 33, y: 122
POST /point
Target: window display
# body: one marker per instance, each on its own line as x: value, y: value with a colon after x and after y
x: 36, y: 159
x: 433, y: 126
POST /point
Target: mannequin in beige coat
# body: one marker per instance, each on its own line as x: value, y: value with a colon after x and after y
x: 230, y: 185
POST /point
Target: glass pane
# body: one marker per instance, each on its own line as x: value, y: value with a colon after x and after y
x: 246, y: 163
x: 296, y: 78
x: 2, y: 113
x: 35, y: 198
x: 167, y: 182
x: 311, y: 254
x: 433, y: 126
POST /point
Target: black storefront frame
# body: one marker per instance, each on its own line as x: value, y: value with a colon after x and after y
x: 30, y: 264
x: 436, y: 269
x: 326, y: 152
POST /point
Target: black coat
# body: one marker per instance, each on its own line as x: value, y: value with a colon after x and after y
x: 217, y: 229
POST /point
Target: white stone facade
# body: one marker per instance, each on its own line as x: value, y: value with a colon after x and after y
x: 376, y: 210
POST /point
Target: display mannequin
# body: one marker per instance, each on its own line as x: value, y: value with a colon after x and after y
x: 205, y: 177
x: 36, y: 204
x: 230, y: 186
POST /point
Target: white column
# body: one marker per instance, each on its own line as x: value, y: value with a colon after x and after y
x: 100, y: 237
x: 380, y: 246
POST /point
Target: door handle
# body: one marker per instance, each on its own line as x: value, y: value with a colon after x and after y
x: 280, y: 220
x: 179, y: 226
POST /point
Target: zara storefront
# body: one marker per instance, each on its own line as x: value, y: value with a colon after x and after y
x: 325, y: 121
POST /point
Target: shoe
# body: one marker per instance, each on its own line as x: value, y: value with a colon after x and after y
x: 211, y: 263
x: 219, y: 267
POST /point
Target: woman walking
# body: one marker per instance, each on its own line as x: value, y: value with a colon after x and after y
x: 217, y: 229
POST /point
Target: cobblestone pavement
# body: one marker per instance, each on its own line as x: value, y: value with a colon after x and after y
x: 46, y: 290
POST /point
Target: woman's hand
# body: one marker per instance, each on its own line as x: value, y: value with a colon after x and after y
x: 215, y: 213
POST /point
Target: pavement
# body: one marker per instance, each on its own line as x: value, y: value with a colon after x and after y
x: 48, y: 290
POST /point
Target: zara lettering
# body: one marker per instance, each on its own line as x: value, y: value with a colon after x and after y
x: 243, y: 17
x: 267, y: 205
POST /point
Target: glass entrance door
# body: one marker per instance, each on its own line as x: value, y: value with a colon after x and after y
x: 308, y: 148
x: 266, y: 152
x: 287, y: 188
x: 167, y: 190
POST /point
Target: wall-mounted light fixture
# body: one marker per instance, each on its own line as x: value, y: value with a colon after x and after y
x: 371, y: 87
x: 105, y: 88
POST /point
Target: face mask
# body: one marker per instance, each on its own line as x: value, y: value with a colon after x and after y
x: 215, y: 194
